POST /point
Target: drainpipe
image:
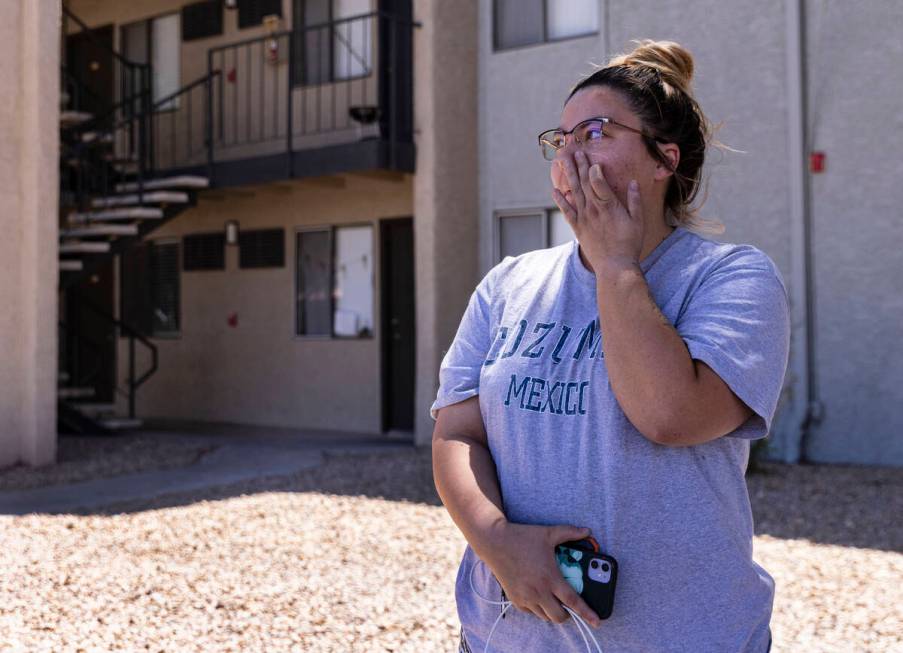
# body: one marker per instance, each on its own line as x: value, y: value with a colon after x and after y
x: 804, y: 409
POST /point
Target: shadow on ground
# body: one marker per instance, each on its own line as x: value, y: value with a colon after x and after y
x: 839, y: 505
x: 845, y: 505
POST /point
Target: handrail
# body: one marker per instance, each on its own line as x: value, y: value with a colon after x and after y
x: 133, y: 335
x: 200, y: 80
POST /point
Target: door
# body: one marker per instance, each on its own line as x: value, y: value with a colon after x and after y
x: 89, y: 58
x: 90, y: 336
x: 397, y: 300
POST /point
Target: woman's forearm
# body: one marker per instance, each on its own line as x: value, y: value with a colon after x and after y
x: 467, y: 482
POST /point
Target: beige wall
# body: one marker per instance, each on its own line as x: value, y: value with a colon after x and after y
x: 445, y: 187
x: 29, y: 119
x: 259, y: 371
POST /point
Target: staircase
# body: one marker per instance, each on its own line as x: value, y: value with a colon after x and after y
x: 111, y: 197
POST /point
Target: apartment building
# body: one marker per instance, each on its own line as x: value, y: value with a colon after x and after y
x: 273, y: 211
x: 806, y: 92
x: 247, y: 232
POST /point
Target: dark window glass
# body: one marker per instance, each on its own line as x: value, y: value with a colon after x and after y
x: 204, y: 252
x: 202, y: 19
x: 262, y: 248
x: 164, y: 274
x: 251, y: 12
x: 518, y: 22
x: 314, y: 283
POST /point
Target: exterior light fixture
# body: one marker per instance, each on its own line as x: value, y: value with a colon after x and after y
x: 232, y: 232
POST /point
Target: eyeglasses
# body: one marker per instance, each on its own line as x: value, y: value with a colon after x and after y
x: 590, y: 133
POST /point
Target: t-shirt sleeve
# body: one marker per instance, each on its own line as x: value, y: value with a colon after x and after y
x: 738, y: 323
x: 459, y: 373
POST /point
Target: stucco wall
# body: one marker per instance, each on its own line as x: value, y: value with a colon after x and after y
x: 854, y: 83
x: 259, y: 371
x: 29, y: 127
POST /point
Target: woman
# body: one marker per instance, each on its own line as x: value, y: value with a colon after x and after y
x: 612, y: 386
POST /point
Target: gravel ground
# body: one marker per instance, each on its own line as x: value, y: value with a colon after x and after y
x: 359, y: 555
x: 81, y: 458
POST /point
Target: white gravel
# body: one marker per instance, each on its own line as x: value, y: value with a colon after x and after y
x: 359, y: 555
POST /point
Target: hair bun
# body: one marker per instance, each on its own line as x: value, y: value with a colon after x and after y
x: 672, y: 61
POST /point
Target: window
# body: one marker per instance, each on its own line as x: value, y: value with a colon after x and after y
x: 202, y: 19
x: 520, y: 232
x: 261, y: 248
x: 525, y: 22
x: 251, y: 12
x: 149, y: 288
x: 335, y: 282
x: 157, y: 41
x: 164, y: 266
x: 204, y: 252
x: 334, y: 40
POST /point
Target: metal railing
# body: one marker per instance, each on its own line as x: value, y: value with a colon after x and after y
x: 125, y: 125
x: 309, y: 87
x: 76, y: 367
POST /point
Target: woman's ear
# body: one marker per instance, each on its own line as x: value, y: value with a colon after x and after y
x: 671, y: 152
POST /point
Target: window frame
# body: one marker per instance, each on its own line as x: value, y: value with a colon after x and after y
x: 545, y: 214
x: 172, y: 105
x: 331, y: 229
x: 168, y: 335
x: 299, y: 20
x: 496, y: 47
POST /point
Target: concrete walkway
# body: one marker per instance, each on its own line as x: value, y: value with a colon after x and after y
x: 242, y: 453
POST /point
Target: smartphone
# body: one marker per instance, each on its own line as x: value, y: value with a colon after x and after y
x: 592, y: 574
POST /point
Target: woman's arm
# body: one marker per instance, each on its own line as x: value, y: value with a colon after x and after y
x: 465, y: 473
x: 671, y: 398
x: 521, y: 556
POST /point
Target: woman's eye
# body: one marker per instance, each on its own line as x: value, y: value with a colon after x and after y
x: 593, y: 134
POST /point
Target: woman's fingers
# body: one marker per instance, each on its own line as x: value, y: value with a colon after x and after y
x: 567, y: 596
x: 582, y: 165
x: 601, y: 190
x: 569, y: 212
x: 634, y: 200
x: 570, y: 172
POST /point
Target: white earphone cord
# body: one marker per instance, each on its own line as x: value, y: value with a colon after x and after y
x: 578, y: 621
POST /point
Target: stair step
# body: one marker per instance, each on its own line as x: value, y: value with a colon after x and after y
x: 133, y: 213
x: 119, y: 423
x: 74, y: 393
x: 70, y: 265
x: 70, y: 118
x: 101, y: 230
x: 181, y: 181
x: 82, y: 247
x: 94, y: 409
x: 158, y: 196
x: 100, y: 137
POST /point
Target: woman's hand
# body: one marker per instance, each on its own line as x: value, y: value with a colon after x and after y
x: 608, y: 232
x: 522, y: 557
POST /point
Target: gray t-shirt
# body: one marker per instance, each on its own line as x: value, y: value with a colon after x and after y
x: 677, y: 519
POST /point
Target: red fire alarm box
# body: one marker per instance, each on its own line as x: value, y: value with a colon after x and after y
x: 816, y: 162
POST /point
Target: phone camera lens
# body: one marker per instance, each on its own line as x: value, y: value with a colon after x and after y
x: 594, y: 564
x: 605, y: 566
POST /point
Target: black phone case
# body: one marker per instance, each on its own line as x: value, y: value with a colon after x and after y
x: 598, y: 596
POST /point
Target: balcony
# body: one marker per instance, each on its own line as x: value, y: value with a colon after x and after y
x: 325, y: 99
